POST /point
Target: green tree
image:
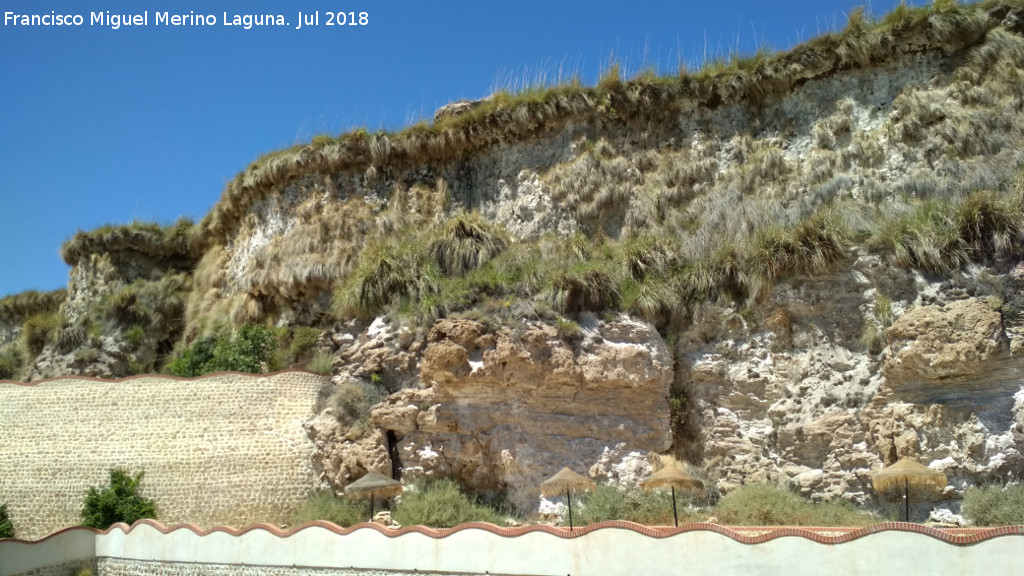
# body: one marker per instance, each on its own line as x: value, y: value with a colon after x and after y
x: 6, y: 526
x: 119, y: 502
x: 245, y: 351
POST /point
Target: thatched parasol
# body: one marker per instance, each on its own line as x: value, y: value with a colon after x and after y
x: 909, y: 473
x: 372, y: 485
x: 566, y: 481
x: 672, y: 477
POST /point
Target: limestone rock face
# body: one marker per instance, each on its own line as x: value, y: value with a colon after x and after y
x: 391, y: 352
x: 93, y: 339
x: 504, y: 410
x: 339, y: 459
x: 955, y: 340
x: 786, y: 393
x: 789, y: 395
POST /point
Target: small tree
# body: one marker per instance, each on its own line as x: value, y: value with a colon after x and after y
x: 119, y: 502
x: 245, y: 351
x: 6, y: 527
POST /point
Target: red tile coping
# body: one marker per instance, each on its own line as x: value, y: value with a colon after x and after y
x: 828, y: 535
x: 161, y: 376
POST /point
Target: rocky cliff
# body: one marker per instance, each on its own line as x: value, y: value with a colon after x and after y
x: 791, y: 268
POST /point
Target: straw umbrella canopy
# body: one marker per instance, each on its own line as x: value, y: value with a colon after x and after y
x: 373, y: 485
x: 906, y: 474
x: 673, y: 477
x: 566, y: 481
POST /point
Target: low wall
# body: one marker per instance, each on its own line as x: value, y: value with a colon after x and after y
x: 608, y: 548
x: 221, y: 449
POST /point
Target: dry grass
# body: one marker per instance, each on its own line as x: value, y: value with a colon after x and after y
x: 18, y: 307
x: 176, y: 241
x: 533, y: 112
x: 668, y: 216
x: 38, y: 330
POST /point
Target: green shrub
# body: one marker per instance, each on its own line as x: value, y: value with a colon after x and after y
x: 296, y: 345
x: 6, y: 526
x: 118, y: 502
x: 10, y: 362
x: 441, y: 504
x: 610, y: 503
x: 995, y: 505
x: 568, y: 329
x: 86, y: 355
x: 322, y: 363
x: 327, y: 507
x: 135, y: 335
x: 247, y: 350
x: 765, y: 505
x: 351, y: 402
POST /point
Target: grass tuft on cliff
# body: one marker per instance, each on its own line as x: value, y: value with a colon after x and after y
x: 939, y: 236
x: 174, y: 241
x: 465, y: 243
x: 22, y: 305
x: 11, y: 362
x: 462, y: 262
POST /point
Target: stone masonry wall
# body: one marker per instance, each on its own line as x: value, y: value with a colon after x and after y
x: 226, y: 449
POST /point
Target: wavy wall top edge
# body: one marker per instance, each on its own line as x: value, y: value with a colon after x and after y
x: 818, y: 534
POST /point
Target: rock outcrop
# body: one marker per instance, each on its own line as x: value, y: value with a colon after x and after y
x: 500, y: 410
x: 810, y: 408
x: 958, y: 340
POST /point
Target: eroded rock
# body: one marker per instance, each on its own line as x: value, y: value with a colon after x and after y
x: 503, y: 410
x: 958, y: 339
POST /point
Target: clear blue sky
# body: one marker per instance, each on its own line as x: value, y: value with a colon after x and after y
x: 99, y: 125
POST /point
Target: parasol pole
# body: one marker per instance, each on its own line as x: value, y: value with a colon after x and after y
x: 371, y: 507
x: 906, y: 495
x: 675, y: 514
x: 569, y: 500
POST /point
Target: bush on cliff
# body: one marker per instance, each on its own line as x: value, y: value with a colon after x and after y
x: 995, y: 505
x: 10, y: 362
x: 610, y: 503
x: 765, y: 505
x: 247, y: 350
x: 118, y: 502
x: 6, y: 526
x: 440, y: 504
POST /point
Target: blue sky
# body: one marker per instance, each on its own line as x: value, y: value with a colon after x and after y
x: 99, y: 125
